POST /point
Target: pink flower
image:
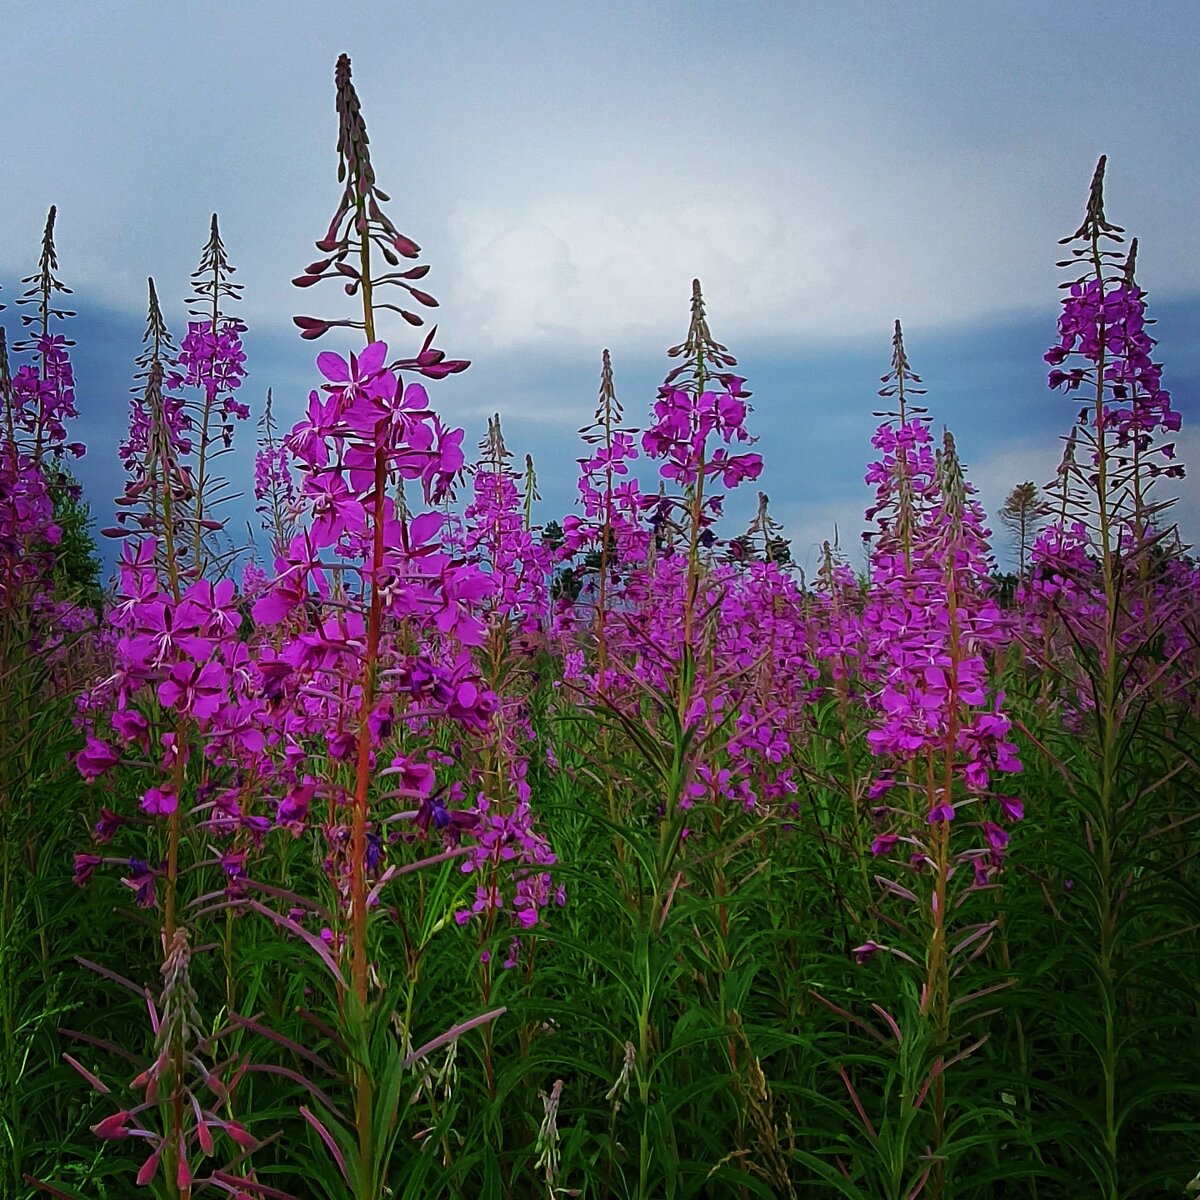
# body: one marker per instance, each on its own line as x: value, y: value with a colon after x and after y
x: 1011, y: 807
x: 97, y: 758
x: 865, y: 952
x: 113, y: 1126
x: 159, y: 802
x: 943, y: 810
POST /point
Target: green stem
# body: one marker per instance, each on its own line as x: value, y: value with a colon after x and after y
x: 1107, y: 718
x: 359, y: 967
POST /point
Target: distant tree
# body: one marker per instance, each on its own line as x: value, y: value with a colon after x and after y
x: 761, y: 539
x: 76, y: 565
x: 1004, y: 588
x: 1023, y: 514
x: 779, y: 550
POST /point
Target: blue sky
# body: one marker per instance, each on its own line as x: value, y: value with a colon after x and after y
x: 567, y: 169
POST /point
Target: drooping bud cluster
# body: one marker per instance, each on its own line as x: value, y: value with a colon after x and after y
x: 358, y: 224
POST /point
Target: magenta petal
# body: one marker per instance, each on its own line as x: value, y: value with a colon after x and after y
x: 150, y: 1166
x: 372, y: 358
x: 159, y: 802
x: 384, y: 387
x: 274, y: 607
x: 333, y: 367
x: 415, y: 396
x: 425, y: 527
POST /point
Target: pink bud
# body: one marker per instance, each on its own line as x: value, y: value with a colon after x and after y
x: 311, y: 327
x: 240, y: 1135
x: 149, y: 1167
x: 113, y: 1126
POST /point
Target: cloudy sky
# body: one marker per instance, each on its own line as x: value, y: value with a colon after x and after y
x: 568, y: 168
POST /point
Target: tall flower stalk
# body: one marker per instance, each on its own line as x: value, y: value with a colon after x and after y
x: 37, y: 399
x: 498, y: 535
x: 53, y: 365
x: 179, y: 667
x: 274, y: 487
x: 929, y: 625
x: 211, y: 358
x: 370, y: 431
x: 1096, y: 589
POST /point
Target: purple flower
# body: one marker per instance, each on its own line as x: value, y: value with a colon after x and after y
x: 233, y: 863
x: 85, y: 864
x: 292, y: 812
x: 159, y: 802
x: 884, y: 843
x: 131, y: 726
x: 865, y: 952
x: 997, y: 837
x: 107, y: 825
x: 195, y: 688
x: 353, y: 376
x: 141, y: 880
x: 335, y: 509
x: 1011, y: 807
x: 374, y: 852
x: 95, y: 759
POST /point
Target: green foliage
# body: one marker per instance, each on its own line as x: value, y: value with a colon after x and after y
x: 712, y: 1033
x: 76, y: 565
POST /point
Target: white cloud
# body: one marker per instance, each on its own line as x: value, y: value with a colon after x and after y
x: 842, y: 245
x: 569, y: 170
x: 580, y: 269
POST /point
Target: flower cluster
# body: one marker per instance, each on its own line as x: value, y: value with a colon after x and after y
x: 28, y: 533
x: 683, y: 424
x: 35, y: 403
x: 499, y: 538
x: 508, y: 846
x: 44, y: 397
x: 1107, y: 325
x: 1097, y: 581
x: 929, y: 626
x: 212, y: 359
x: 610, y: 496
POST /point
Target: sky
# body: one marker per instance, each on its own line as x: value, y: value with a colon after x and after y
x: 568, y: 168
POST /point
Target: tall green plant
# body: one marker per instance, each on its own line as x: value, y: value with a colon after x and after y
x: 1116, y: 728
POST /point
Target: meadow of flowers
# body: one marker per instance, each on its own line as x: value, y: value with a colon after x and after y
x: 440, y: 853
